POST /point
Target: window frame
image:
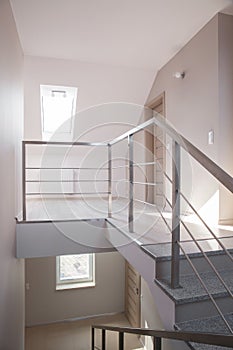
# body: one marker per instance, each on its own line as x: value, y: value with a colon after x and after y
x: 48, y: 90
x: 76, y: 283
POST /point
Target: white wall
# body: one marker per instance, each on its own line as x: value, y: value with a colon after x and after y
x: 98, y: 84
x: 193, y: 104
x: 110, y: 101
x: 11, y: 123
x: 44, y: 304
x: 226, y: 109
x: 150, y: 318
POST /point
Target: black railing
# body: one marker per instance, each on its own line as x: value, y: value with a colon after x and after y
x: 157, y: 336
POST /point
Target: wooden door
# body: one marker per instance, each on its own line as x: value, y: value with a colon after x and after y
x: 132, y: 295
x: 156, y: 152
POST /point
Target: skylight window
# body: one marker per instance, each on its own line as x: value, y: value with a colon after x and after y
x: 58, y: 107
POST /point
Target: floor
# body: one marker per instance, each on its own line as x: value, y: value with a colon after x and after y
x: 149, y: 227
x: 76, y: 335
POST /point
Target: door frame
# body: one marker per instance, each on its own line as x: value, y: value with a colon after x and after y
x: 135, y: 304
x: 150, y: 194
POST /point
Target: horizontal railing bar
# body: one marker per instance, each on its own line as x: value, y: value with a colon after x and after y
x: 61, y: 181
x: 205, y: 288
x: 120, y: 166
x: 64, y: 193
x: 205, y: 239
x: 206, y: 226
x: 144, y: 202
x: 136, y: 164
x: 148, y: 183
x: 139, y: 183
x: 145, y: 163
x: 132, y: 131
x: 207, y: 259
x: 64, y: 143
x: 163, y: 217
x: 203, y: 338
x: 61, y: 220
x: 224, y: 178
x: 60, y: 168
x: 121, y: 180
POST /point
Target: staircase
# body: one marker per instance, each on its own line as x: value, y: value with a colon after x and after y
x: 194, y: 311
x: 193, y: 261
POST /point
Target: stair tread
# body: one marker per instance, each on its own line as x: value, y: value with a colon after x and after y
x: 213, y: 324
x: 162, y: 251
x: 191, y: 289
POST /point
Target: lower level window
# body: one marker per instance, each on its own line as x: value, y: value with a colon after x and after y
x: 75, y: 271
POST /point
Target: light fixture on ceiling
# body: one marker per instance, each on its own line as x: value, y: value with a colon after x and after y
x: 179, y: 75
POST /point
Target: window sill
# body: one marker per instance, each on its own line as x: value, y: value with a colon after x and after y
x: 68, y: 286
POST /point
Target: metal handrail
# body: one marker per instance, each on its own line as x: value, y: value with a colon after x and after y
x: 25, y: 168
x: 178, y: 142
x: 207, y: 258
x: 206, y: 289
x: 206, y: 226
x: 197, y: 337
x: 65, y: 143
x: 223, y: 177
x: 61, y: 180
x: 203, y: 252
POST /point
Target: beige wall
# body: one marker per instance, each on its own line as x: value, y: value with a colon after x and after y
x: 11, y: 122
x: 44, y: 304
x: 97, y: 84
x: 226, y: 108
x: 198, y: 104
x: 150, y: 318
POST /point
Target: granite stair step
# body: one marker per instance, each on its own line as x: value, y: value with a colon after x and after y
x: 161, y: 253
x: 191, y: 289
x: 206, y: 325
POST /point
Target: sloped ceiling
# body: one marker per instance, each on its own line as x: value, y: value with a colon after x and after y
x: 138, y: 33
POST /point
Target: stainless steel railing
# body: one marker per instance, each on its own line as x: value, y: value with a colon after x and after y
x: 178, y: 143
x: 26, y: 168
x: 219, y: 174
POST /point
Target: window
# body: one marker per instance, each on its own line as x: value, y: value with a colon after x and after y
x: 75, y: 271
x: 58, y: 107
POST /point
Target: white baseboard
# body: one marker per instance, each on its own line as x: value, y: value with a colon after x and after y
x: 226, y: 222
x: 74, y: 319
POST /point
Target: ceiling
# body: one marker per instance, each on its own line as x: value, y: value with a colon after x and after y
x: 138, y: 33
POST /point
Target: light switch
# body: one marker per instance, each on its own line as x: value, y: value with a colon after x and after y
x: 211, y: 137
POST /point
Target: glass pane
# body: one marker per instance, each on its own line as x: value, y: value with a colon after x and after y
x: 75, y: 267
x: 56, y: 110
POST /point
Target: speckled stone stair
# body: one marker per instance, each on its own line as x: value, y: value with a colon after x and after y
x: 207, y: 325
x: 191, y: 289
x: 162, y: 255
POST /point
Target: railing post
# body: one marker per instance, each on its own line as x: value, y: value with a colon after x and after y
x: 92, y: 338
x: 175, y: 263
x: 157, y: 343
x: 24, y: 180
x: 103, y: 339
x: 121, y: 341
x: 109, y: 181
x: 131, y: 195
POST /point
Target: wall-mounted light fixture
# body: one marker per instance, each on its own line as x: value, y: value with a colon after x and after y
x: 179, y: 75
